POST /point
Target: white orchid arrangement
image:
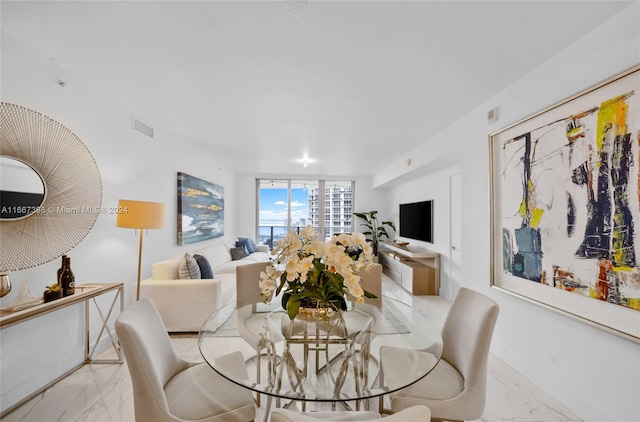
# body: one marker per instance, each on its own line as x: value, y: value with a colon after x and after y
x: 313, y: 271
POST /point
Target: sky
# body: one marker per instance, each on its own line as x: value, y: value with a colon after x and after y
x: 273, y: 205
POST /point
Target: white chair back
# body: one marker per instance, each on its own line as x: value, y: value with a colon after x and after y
x: 371, y: 281
x: 467, y: 332
x: 169, y: 388
x: 456, y: 389
x: 412, y: 414
x: 150, y: 357
x: 248, y: 284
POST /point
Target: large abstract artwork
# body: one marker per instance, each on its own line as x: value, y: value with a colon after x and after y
x: 200, y: 210
x: 566, y: 206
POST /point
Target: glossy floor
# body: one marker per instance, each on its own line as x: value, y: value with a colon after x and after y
x: 101, y: 392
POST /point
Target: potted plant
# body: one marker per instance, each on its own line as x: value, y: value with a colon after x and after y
x: 316, y: 277
x: 375, y: 231
x: 53, y: 292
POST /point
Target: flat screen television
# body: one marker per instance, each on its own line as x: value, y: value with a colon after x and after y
x: 416, y: 221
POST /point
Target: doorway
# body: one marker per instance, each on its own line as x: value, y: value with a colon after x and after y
x: 455, y: 253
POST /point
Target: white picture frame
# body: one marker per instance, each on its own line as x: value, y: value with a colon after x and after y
x: 565, y: 206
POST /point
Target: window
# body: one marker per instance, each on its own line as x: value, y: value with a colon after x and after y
x: 285, y: 205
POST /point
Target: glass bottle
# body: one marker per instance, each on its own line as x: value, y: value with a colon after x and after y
x: 61, y: 269
x: 67, y: 280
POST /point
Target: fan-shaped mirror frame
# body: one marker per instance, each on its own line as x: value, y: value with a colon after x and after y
x: 73, y: 183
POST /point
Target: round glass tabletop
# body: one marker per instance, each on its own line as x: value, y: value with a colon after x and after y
x: 339, y: 360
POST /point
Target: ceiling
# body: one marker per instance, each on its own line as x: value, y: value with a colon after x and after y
x: 349, y: 85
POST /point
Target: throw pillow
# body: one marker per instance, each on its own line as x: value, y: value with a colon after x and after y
x: 238, y: 253
x: 188, y: 268
x: 244, y: 244
x: 205, y: 268
x: 251, y: 244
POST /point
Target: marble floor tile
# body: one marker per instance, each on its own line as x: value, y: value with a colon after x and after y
x: 103, y: 392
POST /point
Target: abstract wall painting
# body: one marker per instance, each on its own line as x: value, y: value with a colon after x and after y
x: 200, y: 210
x: 565, y: 205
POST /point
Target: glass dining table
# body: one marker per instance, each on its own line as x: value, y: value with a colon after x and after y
x: 339, y: 359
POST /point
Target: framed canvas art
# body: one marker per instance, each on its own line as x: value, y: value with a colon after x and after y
x: 565, y: 206
x: 200, y: 210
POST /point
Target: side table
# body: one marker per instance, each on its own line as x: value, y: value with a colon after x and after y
x: 85, y: 293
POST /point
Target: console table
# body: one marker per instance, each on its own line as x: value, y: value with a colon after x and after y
x: 416, y: 269
x: 85, y: 293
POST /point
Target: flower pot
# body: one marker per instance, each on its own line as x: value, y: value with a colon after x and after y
x: 317, y: 311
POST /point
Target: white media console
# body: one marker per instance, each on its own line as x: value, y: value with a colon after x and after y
x: 415, y: 269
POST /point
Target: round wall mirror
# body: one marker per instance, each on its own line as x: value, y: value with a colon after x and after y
x: 22, y: 190
x: 64, y: 185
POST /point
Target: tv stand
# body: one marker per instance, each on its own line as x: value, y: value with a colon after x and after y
x: 416, y: 269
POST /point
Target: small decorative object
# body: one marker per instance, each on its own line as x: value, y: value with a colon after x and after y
x: 23, y: 300
x: 67, y: 279
x: 315, y: 274
x: 5, y: 284
x: 401, y: 244
x: 374, y: 230
x: 53, y: 292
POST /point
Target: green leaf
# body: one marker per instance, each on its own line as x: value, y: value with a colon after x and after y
x: 390, y: 224
x: 283, y: 281
x: 369, y: 295
x: 341, y: 303
x: 361, y: 215
x: 293, y: 307
x: 308, y: 293
x: 285, y: 299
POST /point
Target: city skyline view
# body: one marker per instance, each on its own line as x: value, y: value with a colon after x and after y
x: 273, y: 217
x: 273, y: 206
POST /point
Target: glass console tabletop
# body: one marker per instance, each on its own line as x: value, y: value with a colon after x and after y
x: 332, y: 361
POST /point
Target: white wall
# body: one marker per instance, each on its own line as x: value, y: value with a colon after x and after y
x: 132, y: 166
x: 366, y: 199
x: 594, y: 373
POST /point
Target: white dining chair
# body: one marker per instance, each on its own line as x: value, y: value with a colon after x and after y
x: 455, y: 390
x: 412, y: 414
x: 251, y: 325
x: 371, y: 281
x: 169, y: 388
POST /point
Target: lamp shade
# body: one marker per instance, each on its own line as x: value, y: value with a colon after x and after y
x: 140, y: 214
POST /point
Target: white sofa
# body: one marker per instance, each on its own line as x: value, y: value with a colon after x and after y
x: 184, y: 305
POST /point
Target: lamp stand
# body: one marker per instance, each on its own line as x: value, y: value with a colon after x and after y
x: 139, y: 266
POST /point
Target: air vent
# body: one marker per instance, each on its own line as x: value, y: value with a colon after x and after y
x: 142, y: 128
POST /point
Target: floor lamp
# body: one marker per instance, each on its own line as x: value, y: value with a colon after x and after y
x: 140, y: 215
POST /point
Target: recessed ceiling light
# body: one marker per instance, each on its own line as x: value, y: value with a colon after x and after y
x: 296, y: 8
